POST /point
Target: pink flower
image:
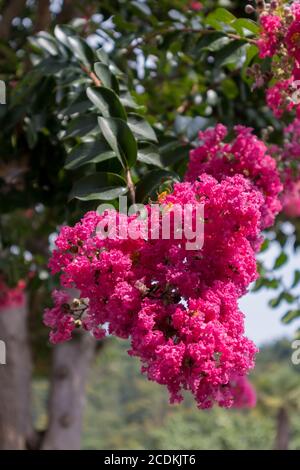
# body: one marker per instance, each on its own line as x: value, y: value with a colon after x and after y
x: 278, y: 97
x: 289, y: 157
x: 269, y: 40
x: 196, y: 6
x: 291, y: 199
x: 244, y: 394
x: 292, y: 39
x: 59, y: 318
x: 179, y: 307
x: 11, y: 297
x: 245, y: 155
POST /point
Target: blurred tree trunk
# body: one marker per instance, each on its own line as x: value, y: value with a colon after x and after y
x: 15, y: 379
x: 70, y: 369
x: 43, y: 19
x: 12, y: 9
x: 283, y: 430
x: 68, y: 12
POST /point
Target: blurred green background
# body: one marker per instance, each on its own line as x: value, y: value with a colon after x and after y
x: 126, y: 411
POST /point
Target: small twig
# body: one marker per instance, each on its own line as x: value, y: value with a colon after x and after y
x: 130, y: 185
x: 148, y: 37
x: 92, y: 76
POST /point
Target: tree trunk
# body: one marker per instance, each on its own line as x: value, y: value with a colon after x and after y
x: 71, y: 363
x: 283, y: 430
x: 15, y: 378
x: 68, y: 12
x: 13, y: 9
x: 43, y: 20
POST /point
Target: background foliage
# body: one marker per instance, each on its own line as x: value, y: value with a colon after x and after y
x: 132, y: 413
x: 168, y: 71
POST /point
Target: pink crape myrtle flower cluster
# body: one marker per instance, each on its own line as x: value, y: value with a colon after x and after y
x: 288, y: 156
x: 243, y: 391
x: 11, y: 297
x: 280, y: 40
x: 178, y: 307
x: 245, y: 155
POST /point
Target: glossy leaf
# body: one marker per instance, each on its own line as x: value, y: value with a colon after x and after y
x: 99, y: 186
x: 141, y: 128
x: 149, y: 154
x: 120, y: 138
x: 226, y: 54
x: 107, y: 102
x: 107, y: 78
x: 81, y: 50
x: 89, y: 152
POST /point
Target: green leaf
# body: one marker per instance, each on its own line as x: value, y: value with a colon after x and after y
x: 296, y: 278
x: 251, y: 52
x: 267, y: 283
x: 290, y: 316
x: 107, y: 102
x: 289, y: 298
x: 99, y: 186
x: 280, y: 260
x: 141, y: 128
x: 243, y: 23
x: 81, y: 126
x: 90, y: 152
x: 142, y: 8
x: 219, y: 17
x: 81, y: 51
x: 274, y: 303
x: 221, y: 14
x: 51, y: 65
x: 149, y: 154
x: 128, y: 101
x: 102, y: 56
x: 226, y: 54
x: 174, y: 152
x: 45, y: 42
x: 63, y: 33
x: 208, y: 39
x: 265, y: 245
x: 107, y: 78
x: 79, y: 105
x: 150, y: 184
x: 120, y: 138
x: 230, y: 88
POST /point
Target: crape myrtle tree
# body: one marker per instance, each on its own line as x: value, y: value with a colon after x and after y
x: 155, y: 101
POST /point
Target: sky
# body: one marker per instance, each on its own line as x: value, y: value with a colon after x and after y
x: 263, y: 323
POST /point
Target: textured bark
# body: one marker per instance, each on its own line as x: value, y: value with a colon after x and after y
x: 15, y: 378
x: 43, y: 20
x: 283, y: 430
x: 71, y: 363
x: 13, y: 9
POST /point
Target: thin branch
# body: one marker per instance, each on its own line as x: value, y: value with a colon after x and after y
x: 130, y: 185
x: 92, y: 76
x: 201, y: 32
